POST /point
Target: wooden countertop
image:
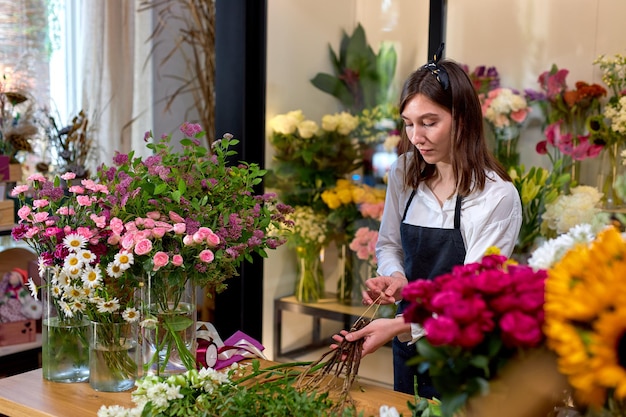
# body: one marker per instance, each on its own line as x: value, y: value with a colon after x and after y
x: 29, y: 395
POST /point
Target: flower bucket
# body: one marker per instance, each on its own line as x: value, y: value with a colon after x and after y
x: 113, y: 356
x: 168, y: 324
x: 65, y: 346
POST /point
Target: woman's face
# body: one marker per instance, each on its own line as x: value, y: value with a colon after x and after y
x: 428, y: 127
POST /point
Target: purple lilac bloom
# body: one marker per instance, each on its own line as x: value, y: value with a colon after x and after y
x: 152, y: 161
x: 120, y: 158
x: 201, y: 267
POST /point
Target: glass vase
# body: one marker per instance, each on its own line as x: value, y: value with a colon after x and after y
x: 345, y: 282
x: 506, y: 139
x: 168, y: 324
x: 113, y: 356
x: 64, y: 343
x: 310, y: 281
x: 610, y: 170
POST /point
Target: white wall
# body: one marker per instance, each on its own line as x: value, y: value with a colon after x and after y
x: 299, y: 33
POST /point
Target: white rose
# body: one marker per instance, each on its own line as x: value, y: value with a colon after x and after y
x: 330, y: 122
x: 307, y: 128
x: 281, y: 124
x: 347, y: 123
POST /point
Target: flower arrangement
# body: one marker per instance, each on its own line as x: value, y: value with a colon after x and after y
x: 170, y: 219
x: 584, y: 321
x: 536, y: 187
x: 505, y: 110
x: 566, y: 144
x: 476, y: 318
x: 581, y: 205
x: 309, y: 159
x: 308, y: 234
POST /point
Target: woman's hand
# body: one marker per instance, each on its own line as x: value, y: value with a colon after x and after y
x: 377, y: 333
x: 384, y: 290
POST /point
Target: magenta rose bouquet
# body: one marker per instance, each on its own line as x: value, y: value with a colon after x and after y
x: 476, y: 318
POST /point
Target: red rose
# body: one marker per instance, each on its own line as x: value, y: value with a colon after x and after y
x: 542, y: 147
x: 492, y: 281
x: 466, y: 310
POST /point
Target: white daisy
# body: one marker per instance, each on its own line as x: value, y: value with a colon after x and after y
x: 66, y: 309
x: 62, y: 279
x: 74, y: 242
x: 86, y: 256
x: 73, y: 272
x: 110, y: 306
x: 92, y: 277
x: 72, y: 261
x: 56, y: 291
x: 78, y: 306
x: 33, y: 288
x: 74, y: 292
x: 114, y: 270
x: 124, y: 260
x: 131, y: 315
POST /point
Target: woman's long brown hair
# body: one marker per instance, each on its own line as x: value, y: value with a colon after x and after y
x: 469, y: 153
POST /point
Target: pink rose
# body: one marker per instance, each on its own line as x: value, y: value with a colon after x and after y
x: 201, y: 235
x: 188, y: 240
x: 177, y: 260
x: 158, y: 232
x: 520, y: 330
x: 176, y: 218
x: 212, y: 239
x: 466, y: 310
x: 470, y: 336
x: 492, y: 281
x: 40, y: 203
x: 116, y: 226
x: 143, y: 247
x: 148, y: 223
x: 441, y: 330
x: 154, y: 215
x: 100, y: 221
x: 180, y: 228
x: 206, y: 256
x: 76, y: 189
x: 160, y: 259
x: 128, y: 241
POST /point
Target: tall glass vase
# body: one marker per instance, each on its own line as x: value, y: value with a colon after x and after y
x: 310, y: 282
x: 345, y: 282
x: 610, y: 170
x: 113, y: 356
x: 168, y: 324
x: 64, y: 343
x: 507, y: 139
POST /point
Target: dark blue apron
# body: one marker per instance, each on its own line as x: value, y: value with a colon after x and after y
x: 428, y: 253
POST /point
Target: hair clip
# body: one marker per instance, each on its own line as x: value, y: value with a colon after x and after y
x: 440, y: 73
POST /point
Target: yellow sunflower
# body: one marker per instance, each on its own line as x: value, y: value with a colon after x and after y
x: 584, y: 321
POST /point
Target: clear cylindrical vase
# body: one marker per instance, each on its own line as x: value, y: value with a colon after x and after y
x: 113, y: 356
x: 168, y: 324
x: 64, y: 343
x: 310, y: 282
x: 610, y: 170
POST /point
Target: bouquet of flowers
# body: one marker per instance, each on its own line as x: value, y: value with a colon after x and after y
x: 308, y: 235
x: 476, y: 319
x: 347, y: 203
x: 309, y: 159
x: 536, y: 187
x: 505, y: 110
x: 567, y: 110
x: 174, y: 220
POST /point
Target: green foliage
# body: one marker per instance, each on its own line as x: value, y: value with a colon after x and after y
x: 536, y: 188
x: 362, y: 78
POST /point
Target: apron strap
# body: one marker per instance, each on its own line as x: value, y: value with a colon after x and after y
x: 408, y: 203
x: 457, y: 212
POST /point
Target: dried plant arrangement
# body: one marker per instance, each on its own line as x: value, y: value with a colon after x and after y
x: 194, y: 21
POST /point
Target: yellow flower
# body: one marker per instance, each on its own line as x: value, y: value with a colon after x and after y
x: 331, y: 199
x: 344, y: 195
x: 585, y: 317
